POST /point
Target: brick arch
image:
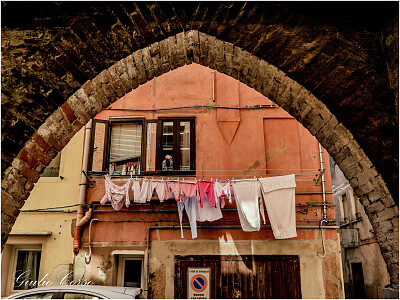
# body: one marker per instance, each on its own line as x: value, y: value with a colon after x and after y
x: 197, y: 47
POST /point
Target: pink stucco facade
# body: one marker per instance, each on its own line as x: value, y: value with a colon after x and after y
x: 229, y: 144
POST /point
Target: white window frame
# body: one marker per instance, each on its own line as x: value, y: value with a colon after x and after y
x: 14, y: 258
x: 121, y: 268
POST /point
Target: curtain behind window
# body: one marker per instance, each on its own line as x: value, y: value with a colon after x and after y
x: 28, y: 263
x: 126, y: 142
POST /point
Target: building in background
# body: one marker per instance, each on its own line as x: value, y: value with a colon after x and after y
x: 196, y: 124
x: 39, y: 246
x: 364, y: 270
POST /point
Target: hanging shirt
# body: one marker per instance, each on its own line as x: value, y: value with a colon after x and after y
x: 279, y: 199
x: 208, y: 212
x: 117, y: 195
x: 246, y: 196
x: 140, y: 192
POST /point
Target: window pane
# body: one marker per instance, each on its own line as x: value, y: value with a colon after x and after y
x: 79, y: 296
x: 38, y: 296
x: 185, y: 145
x: 126, y: 144
x: 133, y: 273
x: 167, y: 146
x: 53, y: 169
x: 98, y: 146
x: 27, y: 271
x: 151, y: 146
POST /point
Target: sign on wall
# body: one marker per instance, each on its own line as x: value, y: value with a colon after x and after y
x: 199, y: 283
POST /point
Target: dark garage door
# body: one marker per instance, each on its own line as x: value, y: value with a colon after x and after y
x: 243, y: 276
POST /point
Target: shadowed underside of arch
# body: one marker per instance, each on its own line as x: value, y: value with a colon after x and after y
x: 102, y: 77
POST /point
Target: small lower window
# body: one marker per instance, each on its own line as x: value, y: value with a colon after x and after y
x: 27, y: 269
x: 130, y: 271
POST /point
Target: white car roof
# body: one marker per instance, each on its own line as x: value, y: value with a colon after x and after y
x: 106, y: 291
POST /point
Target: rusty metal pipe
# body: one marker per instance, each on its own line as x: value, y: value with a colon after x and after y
x: 77, y: 234
x: 82, y: 188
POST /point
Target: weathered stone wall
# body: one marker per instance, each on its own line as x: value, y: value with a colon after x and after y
x: 330, y: 75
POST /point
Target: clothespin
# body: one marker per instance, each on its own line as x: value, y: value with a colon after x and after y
x: 211, y: 179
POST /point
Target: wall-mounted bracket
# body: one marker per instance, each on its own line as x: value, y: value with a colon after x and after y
x: 317, y: 181
x: 92, y: 184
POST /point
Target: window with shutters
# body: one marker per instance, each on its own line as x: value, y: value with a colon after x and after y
x: 122, y: 146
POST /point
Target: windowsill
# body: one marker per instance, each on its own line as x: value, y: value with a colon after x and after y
x: 147, y: 174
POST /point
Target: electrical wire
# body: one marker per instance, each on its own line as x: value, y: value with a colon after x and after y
x: 195, y: 106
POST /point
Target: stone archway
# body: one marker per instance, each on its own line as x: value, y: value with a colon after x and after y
x: 196, y: 47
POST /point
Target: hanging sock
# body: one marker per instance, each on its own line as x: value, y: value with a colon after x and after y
x: 140, y: 193
x: 246, y: 196
x: 117, y: 195
x: 279, y: 198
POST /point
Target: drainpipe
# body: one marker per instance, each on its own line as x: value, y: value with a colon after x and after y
x: 324, y: 213
x: 80, y: 220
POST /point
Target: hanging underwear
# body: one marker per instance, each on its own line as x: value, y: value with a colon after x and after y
x: 161, y: 190
x: 188, y: 188
x: 116, y: 194
x: 223, y: 192
x: 140, y: 193
x: 174, y: 188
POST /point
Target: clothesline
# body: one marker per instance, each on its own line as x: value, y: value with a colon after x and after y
x: 203, y: 200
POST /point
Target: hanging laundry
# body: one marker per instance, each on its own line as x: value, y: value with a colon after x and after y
x: 279, y: 198
x: 160, y: 187
x: 188, y: 188
x: 223, y: 192
x: 189, y: 204
x: 208, y: 212
x: 173, y: 187
x: 140, y: 192
x: 206, y: 187
x: 117, y: 195
x: 260, y: 201
x: 246, y: 196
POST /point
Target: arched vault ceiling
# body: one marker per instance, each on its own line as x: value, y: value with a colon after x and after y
x: 345, y: 55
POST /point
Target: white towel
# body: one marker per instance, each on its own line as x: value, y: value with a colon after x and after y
x: 207, y: 212
x: 279, y: 198
x: 246, y: 197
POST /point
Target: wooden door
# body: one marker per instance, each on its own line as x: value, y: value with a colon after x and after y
x: 243, y: 276
x: 358, y: 281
